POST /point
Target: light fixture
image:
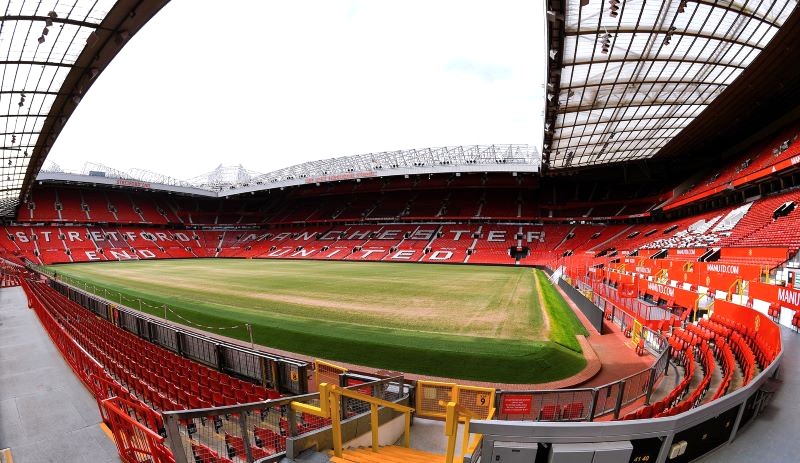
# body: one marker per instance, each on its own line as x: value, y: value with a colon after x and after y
x: 613, y: 9
x: 605, y: 43
x: 668, y: 35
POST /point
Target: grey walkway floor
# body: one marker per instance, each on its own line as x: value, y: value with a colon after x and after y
x: 46, y: 414
x: 773, y: 436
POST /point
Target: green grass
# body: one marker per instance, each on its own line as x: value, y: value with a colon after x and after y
x: 564, y: 324
x: 465, y: 322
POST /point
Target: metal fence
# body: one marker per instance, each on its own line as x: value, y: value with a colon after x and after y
x: 263, y: 431
x: 432, y: 398
x: 587, y: 404
x: 285, y: 374
x: 135, y: 442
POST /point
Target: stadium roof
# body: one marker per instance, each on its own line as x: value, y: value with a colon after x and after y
x: 224, y: 177
x: 626, y: 80
x: 228, y: 181
x: 447, y: 159
x: 626, y: 77
x: 51, y: 51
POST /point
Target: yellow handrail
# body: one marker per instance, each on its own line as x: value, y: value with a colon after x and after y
x: 733, y: 287
x: 329, y: 398
x: 697, y: 306
x: 453, y: 415
x: 466, y: 447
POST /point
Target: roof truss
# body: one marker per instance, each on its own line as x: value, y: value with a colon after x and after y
x: 626, y: 76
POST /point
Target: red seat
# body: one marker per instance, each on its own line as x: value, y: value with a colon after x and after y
x: 549, y: 413
x: 235, y: 445
x: 573, y: 411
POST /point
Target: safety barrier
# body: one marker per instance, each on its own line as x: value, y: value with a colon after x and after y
x: 681, y: 438
x: 432, y: 398
x: 588, y: 404
x: 269, y: 429
x: 136, y: 443
x: 331, y: 407
x: 282, y: 373
x: 327, y: 372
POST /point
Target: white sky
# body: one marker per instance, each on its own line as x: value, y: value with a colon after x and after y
x: 268, y: 84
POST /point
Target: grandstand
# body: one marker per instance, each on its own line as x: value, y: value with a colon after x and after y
x: 665, y: 196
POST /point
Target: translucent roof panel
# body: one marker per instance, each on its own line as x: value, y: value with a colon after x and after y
x: 634, y: 73
x: 40, y: 41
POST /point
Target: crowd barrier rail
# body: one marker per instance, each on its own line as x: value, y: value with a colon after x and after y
x: 284, y: 374
x: 678, y: 439
x: 269, y: 430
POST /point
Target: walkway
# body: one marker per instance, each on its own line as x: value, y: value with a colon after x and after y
x: 46, y: 414
x: 773, y: 435
x: 615, y: 351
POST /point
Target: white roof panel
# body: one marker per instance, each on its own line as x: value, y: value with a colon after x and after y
x: 635, y: 73
x: 40, y: 41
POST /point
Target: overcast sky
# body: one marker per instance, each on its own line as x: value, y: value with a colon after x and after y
x: 268, y: 84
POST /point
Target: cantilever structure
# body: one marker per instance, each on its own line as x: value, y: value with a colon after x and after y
x: 625, y: 78
x: 228, y: 181
x: 51, y: 53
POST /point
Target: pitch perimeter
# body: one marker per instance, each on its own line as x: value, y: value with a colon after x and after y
x: 464, y: 322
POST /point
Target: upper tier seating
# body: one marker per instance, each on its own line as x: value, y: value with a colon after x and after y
x: 783, y: 146
x: 768, y: 222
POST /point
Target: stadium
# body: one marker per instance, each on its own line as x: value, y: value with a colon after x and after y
x: 626, y: 292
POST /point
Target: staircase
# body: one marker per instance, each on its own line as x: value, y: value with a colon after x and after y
x: 388, y: 454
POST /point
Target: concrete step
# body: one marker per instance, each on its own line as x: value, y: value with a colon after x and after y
x: 388, y: 454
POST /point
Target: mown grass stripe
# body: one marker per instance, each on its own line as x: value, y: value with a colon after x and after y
x: 374, y: 318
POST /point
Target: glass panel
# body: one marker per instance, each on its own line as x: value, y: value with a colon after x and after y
x: 625, y: 70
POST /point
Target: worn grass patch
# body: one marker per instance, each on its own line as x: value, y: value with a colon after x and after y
x: 465, y: 322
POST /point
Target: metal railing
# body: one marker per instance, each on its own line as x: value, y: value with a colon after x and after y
x: 265, y: 431
x: 588, y: 404
x: 282, y: 373
x: 454, y: 414
x: 135, y: 442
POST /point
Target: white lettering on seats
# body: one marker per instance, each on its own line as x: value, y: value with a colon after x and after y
x: 441, y: 255
x: 403, y: 255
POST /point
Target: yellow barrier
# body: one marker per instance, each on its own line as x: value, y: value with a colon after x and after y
x: 433, y: 396
x: 327, y: 372
x: 453, y: 414
x: 330, y: 396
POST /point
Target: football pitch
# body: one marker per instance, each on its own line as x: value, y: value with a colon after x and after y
x: 499, y: 324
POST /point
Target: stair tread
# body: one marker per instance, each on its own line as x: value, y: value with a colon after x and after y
x: 387, y: 454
